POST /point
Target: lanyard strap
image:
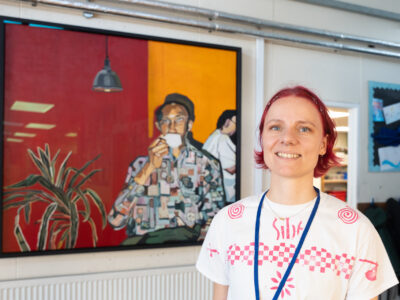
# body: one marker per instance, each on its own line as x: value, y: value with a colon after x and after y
x: 296, y: 252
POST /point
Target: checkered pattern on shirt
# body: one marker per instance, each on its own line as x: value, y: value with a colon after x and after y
x: 317, y: 260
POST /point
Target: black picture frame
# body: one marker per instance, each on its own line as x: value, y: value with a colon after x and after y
x: 23, y: 81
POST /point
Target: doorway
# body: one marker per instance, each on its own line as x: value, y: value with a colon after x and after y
x: 342, y: 181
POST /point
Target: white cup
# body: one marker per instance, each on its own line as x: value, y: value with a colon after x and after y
x: 174, y: 140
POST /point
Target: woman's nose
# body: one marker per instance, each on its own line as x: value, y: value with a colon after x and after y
x: 288, y: 136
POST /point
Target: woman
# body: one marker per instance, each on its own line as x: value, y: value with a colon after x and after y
x: 308, y: 245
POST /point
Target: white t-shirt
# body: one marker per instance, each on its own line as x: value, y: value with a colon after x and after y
x: 342, y: 256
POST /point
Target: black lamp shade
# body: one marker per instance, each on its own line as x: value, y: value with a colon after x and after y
x: 107, y: 80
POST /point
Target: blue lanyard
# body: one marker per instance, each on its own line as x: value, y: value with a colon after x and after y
x: 296, y: 252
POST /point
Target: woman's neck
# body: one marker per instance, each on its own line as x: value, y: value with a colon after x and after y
x: 291, y: 191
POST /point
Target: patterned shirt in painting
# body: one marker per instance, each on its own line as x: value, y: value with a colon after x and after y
x: 342, y: 256
x: 184, y: 191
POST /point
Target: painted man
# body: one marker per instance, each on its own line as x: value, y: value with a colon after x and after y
x: 170, y: 194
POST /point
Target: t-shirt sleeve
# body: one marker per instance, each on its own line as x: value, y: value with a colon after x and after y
x: 372, y: 271
x: 212, y: 261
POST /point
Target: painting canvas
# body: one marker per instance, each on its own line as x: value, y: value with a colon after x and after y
x: 384, y: 127
x: 147, y: 163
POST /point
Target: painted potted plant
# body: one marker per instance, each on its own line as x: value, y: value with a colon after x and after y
x: 65, y: 196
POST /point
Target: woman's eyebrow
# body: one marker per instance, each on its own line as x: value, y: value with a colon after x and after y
x: 307, y: 122
x: 273, y: 120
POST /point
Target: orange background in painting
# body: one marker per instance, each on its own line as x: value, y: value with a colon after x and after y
x: 207, y: 76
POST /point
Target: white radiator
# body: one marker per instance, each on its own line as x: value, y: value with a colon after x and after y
x: 181, y: 283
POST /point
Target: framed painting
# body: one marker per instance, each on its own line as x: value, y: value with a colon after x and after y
x: 113, y: 141
x: 384, y: 126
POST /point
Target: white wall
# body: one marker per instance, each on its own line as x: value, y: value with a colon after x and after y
x: 336, y: 77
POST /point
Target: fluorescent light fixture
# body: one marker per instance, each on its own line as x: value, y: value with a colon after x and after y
x: 338, y: 114
x: 25, y: 134
x: 11, y: 22
x: 342, y: 129
x: 40, y: 126
x: 14, y: 140
x: 71, y: 134
x: 32, y: 106
x: 45, y: 26
x: 8, y: 123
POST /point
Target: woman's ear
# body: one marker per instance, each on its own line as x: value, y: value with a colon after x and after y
x: 324, y: 144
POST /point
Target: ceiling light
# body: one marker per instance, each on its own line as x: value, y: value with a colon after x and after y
x: 14, y: 140
x: 40, y: 126
x: 7, y: 123
x: 24, y: 134
x: 71, y: 134
x: 106, y: 79
x: 31, y: 106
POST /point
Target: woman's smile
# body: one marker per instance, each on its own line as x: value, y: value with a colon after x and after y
x: 287, y: 155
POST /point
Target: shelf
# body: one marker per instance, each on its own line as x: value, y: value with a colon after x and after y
x: 335, y: 180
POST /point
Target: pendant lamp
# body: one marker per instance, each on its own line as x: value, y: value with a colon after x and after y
x: 106, y: 79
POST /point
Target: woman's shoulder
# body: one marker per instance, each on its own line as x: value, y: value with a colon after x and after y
x: 237, y: 209
x: 343, y: 212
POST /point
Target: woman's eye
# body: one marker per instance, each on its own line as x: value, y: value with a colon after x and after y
x: 305, y: 129
x: 274, y: 128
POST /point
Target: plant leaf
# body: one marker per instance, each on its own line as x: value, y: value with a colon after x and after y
x: 100, y: 206
x: 28, y: 181
x: 46, y: 164
x: 59, y: 193
x: 94, y: 232
x: 64, y: 179
x: 74, y: 225
x: 19, y: 235
x: 12, y: 197
x: 53, y: 239
x: 53, y: 166
x: 74, y: 178
x: 43, y: 231
x: 61, y: 171
x: 86, y: 178
x: 86, y: 212
x: 21, y: 203
x: 47, y: 149
x: 27, y: 210
x: 54, y: 160
x: 38, y: 194
x: 39, y: 164
x: 21, y: 191
x: 64, y: 238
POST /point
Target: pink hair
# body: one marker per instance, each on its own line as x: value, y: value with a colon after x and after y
x: 326, y: 161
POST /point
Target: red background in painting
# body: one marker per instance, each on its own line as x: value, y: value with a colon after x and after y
x: 58, y: 66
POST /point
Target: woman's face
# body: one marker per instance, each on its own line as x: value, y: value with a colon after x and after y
x: 293, y: 137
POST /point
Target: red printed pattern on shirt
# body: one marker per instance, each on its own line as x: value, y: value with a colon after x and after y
x: 235, y: 211
x: 317, y: 260
x: 348, y: 215
x: 285, y: 229
x: 288, y: 285
x: 212, y: 251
